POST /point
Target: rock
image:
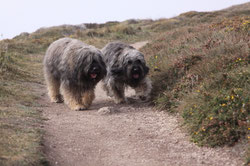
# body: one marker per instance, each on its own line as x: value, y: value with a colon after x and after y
x: 107, y: 110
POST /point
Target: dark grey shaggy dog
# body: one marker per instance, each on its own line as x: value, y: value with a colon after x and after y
x: 125, y: 67
x: 72, y: 69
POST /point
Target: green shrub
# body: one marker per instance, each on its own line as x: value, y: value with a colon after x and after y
x: 217, y: 113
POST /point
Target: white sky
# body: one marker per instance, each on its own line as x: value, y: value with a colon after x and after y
x: 18, y: 16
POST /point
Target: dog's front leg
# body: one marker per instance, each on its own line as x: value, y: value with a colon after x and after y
x: 88, y: 97
x: 119, y: 95
x: 143, y: 90
x: 72, y: 98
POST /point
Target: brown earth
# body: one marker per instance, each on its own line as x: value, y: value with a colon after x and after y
x: 132, y: 134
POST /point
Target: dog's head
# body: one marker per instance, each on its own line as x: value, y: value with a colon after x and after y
x: 133, y: 68
x: 96, y: 71
x: 90, y: 68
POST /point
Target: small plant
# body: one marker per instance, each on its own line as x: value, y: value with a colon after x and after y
x: 6, y: 63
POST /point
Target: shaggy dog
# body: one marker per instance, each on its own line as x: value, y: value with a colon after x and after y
x: 72, y: 69
x: 125, y: 67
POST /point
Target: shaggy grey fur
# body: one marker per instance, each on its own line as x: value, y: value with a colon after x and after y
x: 74, y: 67
x: 125, y: 67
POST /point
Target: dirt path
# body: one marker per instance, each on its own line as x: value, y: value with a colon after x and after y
x: 133, y: 135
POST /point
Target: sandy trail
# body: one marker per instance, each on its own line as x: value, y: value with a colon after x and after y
x: 135, y: 135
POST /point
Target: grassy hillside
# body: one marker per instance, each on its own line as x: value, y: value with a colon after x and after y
x: 202, y: 62
x: 200, y: 58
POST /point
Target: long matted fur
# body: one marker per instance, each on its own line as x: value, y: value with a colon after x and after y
x: 72, y: 69
x: 125, y: 67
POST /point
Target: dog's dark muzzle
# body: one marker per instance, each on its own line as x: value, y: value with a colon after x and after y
x: 136, y: 72
x: 94, y: 72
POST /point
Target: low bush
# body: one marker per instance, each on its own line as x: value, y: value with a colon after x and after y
x: 217, y: 113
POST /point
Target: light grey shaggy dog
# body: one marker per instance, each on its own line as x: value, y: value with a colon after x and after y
x: 72, y: 69
x: 125, y: 67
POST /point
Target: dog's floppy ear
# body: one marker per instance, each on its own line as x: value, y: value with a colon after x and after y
x: 81, y: 67
x: 102, y: 65
x: 146, y: 69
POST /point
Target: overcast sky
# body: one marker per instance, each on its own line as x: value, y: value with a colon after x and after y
x: 18, y: 16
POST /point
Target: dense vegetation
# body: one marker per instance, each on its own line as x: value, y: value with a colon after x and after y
x: 204, y: 74
x: 201, y: 60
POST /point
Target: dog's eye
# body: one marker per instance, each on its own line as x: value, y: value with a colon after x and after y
x: 137, y: 61
x: 129, y: 62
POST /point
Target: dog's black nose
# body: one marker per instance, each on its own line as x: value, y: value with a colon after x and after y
x: 135, y: 69
x: 95, y: 69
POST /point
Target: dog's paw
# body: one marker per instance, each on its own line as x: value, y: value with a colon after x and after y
x: 131, y: 100
x: 120, y: 101
x: 143, y: 99
x: 57, y: 99
x: 79, y: 108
